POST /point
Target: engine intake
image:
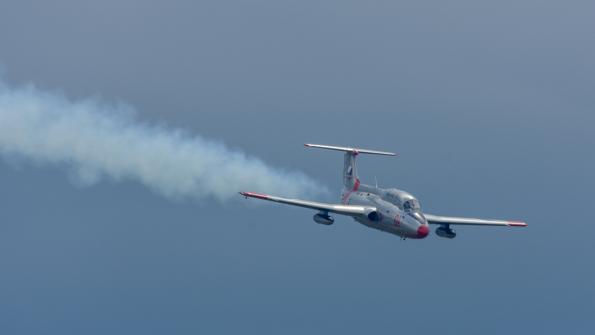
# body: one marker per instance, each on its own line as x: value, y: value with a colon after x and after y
x: 374, y: 216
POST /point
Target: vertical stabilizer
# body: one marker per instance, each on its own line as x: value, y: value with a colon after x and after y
x: 350, y: 178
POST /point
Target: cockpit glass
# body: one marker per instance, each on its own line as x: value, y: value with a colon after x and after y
x: 411, y: 206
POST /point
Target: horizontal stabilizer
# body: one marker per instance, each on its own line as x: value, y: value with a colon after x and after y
x: 355, y: 151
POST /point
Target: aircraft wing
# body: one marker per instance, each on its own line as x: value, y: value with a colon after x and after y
x: 435, y: 219
x: 349, y: 210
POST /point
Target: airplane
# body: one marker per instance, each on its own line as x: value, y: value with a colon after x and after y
x: 387, y: 209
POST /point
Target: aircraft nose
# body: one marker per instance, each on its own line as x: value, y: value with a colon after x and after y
x: 423, y: 231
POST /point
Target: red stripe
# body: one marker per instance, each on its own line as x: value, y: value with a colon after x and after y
x: 255, y: 195
x: 355, y: 188
x: 517, y: 224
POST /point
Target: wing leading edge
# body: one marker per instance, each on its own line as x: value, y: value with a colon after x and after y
x: 435, y: 219
x: 331, y: 208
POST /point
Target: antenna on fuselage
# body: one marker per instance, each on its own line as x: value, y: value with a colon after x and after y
x: 376, y: 180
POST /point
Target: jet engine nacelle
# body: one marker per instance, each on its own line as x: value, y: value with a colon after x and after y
x: 445, y: 232
x: 324, y: 219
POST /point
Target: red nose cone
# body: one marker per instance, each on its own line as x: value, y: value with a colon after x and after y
x: 423, y: 231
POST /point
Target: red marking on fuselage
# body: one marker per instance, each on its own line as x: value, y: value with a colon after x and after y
x: 397, y: 220
x: 348, y: 194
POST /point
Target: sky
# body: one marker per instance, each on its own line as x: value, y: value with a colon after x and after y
x: 489, y: 105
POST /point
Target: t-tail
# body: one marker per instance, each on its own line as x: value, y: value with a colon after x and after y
x: 350, y: 177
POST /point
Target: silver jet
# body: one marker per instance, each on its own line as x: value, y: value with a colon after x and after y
x: 391, y: 210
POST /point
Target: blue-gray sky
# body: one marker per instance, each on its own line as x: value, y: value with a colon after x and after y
x: 489, y: 104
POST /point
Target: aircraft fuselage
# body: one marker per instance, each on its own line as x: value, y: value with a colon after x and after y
x: 392, y: 217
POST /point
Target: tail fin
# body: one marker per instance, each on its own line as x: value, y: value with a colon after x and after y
x: 350, y: 178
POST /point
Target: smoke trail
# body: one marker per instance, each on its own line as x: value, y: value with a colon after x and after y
x: 99, y: 140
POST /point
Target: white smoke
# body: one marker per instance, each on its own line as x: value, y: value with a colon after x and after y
x: 99, y: 140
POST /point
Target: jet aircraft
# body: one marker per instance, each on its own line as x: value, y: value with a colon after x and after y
x: 387, y: 209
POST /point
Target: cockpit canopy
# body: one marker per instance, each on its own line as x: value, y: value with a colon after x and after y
x: 413, y: 208
x: 402, y: 199
x: 406, y: 202
x: 411, y: 205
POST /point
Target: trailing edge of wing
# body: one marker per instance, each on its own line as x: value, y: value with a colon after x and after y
x: 352, y: 150
x: 332, y: 208
x: 434, y: 219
